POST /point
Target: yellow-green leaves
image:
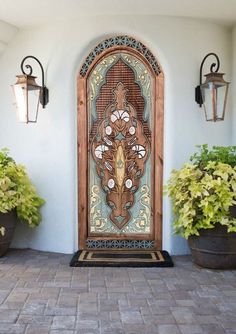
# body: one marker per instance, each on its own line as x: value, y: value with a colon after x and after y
x: 17, y: 191
x: 2, y: 231
x: 202, y: 196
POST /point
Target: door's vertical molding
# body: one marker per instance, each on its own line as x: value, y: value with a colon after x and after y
x: 82, y: 162
x: 159, y: 130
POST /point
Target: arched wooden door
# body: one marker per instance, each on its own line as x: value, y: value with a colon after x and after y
x: 120, y: 145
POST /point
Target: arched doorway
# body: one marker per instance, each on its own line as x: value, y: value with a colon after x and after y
x: 120, y: 147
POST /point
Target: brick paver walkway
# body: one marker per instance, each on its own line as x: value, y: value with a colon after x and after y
x: 40, y: 293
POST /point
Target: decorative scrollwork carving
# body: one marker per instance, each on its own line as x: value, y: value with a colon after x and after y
x: 120, y: 149
x: 120, y: 41
x: 119, y: 244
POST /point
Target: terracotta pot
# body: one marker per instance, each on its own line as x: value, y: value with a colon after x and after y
x: 7, y: 220
x: 214, y: 248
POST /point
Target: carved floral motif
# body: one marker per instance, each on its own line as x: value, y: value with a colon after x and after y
x: 120, y: 149
x: 140, y: 222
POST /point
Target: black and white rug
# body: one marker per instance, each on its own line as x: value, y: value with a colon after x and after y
x: 107, y: 258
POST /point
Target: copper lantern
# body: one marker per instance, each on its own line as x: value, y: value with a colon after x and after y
x: 29, y: 95
x: 212, y: 94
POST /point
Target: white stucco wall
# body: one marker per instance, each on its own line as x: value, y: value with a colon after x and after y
x: 7, y: 32
x: 233, y: 83
x: 48, y: 148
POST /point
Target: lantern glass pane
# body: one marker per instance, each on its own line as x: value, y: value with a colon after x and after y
x: 20, y: 93
x: 221, y: 92
x: 33, y: 102
x: 214, y: 97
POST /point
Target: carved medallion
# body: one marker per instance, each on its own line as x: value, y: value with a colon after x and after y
x: 120, y: 149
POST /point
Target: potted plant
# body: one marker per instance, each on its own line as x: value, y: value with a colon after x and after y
x: 203, y: 195
x: 18, y: 199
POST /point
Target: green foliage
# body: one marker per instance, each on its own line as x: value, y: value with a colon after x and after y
x: 225, y: 154
x: 17, y: 191
x: 203, y: 191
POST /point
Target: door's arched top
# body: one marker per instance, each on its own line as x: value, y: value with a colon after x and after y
x: 122, y: 41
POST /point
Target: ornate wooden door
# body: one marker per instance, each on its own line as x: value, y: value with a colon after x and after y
x: 120, y: 123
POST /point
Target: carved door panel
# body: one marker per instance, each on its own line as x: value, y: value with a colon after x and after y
x: 119, y: 163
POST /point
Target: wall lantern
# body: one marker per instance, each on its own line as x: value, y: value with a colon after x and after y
x: 28, y: 94
x: 212, y: 94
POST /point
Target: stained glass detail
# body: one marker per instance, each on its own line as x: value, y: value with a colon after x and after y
x: 122, y: 41
x: 120, y: 115
x: 120, y: 107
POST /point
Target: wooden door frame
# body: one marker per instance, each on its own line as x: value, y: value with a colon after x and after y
x: 83, y: 149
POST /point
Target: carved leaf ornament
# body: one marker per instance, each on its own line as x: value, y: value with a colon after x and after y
x: 120, y: 149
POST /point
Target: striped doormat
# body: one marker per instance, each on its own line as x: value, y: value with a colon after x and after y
x: 129, y: 258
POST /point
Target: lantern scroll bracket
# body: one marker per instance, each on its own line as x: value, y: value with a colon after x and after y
x: 198, y: 94
x: 44, y: 94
